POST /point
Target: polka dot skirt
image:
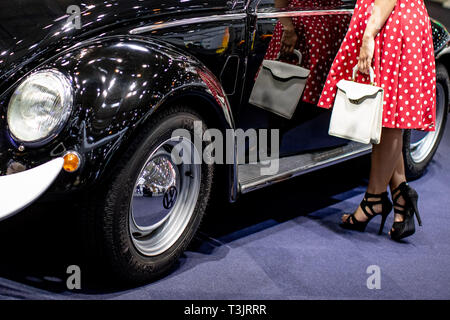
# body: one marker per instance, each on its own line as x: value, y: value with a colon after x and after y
x: 403, y: 62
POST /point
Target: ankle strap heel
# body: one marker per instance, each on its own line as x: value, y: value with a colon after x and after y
x: 405, y: 228
x: 367, y: 205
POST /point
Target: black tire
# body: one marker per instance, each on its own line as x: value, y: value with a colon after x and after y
x: 417, y: 162
x: 108, y: 238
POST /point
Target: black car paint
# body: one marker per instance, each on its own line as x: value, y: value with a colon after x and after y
x: 101, y: 127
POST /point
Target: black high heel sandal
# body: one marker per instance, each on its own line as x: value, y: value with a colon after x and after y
x: 386, y: 206
x: 406, y: 227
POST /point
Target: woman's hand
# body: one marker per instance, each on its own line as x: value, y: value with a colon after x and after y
x: 381, y: 11
x: 288, y: 41
x: 366, y: 54
x: 289, y: 37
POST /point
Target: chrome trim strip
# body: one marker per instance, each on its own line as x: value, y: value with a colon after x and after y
x: 270, y: 180
x: 182, y: 22
x: 235, y: 16
x: 302, y: 13
x: 444, y: 51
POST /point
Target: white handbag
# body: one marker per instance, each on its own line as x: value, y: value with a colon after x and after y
x: 279, y: 86
x: 357, y: 111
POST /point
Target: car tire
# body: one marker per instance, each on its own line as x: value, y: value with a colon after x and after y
x: 137, y: 249
x: 420, y: 147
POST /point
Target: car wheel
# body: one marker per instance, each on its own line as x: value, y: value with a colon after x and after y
x: 152, y: 206
x: 419, y: 147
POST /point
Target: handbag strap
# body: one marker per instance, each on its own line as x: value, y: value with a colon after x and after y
x: 297, y: 53
x: 371, y: 74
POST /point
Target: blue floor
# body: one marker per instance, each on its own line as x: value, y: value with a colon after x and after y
x: 282, y: 242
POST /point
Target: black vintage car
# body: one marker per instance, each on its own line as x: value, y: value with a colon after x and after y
x: 91, y: 92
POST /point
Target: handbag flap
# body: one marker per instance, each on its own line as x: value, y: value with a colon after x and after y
x: 285, y: 71
x: 355, y: 90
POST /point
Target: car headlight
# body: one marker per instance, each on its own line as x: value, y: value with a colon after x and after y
x: 40, y: 106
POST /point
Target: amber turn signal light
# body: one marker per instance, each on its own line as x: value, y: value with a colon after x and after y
x: 72, y: 161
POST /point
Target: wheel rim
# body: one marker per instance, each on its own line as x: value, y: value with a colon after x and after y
x: 164, y: 198
x: 422, y: 143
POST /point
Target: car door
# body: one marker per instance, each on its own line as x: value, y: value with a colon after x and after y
x: 321, y: 26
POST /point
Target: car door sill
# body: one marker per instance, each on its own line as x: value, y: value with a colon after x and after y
x: 250, y: 177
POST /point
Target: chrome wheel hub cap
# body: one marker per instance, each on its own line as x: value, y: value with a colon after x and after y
x: 164, y: 199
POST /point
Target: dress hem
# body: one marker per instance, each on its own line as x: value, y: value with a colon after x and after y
x: 428, y: 128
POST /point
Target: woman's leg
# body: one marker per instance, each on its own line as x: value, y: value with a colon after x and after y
x: 398, y: 177
x: 385, y: 162
x: 399, y: 173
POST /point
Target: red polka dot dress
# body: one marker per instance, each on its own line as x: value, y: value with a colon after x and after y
x: 403, y: 62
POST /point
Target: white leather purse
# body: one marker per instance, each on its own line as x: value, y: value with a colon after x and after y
x: 279, y: 86
x: 357, y: 111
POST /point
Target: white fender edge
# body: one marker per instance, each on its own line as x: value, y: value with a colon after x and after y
x: 19, y: 190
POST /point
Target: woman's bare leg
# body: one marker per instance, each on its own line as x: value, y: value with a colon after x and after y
x: 398, y: 177
x: 399, y: 173
x: 385, y: 161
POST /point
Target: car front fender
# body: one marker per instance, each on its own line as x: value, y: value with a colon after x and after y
x: 118, y: 83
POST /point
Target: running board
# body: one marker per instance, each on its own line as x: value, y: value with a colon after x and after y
x: 250, y: 177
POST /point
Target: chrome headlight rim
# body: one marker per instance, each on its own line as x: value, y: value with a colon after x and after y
x: 68, y: 98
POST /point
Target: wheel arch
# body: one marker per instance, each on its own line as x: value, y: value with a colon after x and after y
x: 202, y: 92
x: 444, y: 60
x: 201, y: 101
x: 441, y: 43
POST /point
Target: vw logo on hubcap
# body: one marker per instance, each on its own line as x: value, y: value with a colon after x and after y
x: 170, y: 197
